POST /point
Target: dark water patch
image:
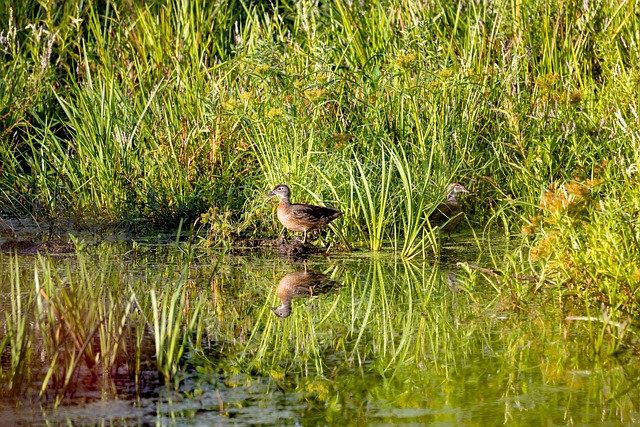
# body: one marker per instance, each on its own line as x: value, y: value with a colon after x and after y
x: 28, y: 247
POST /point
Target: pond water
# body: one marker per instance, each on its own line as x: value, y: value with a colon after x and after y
x: 337, y: 339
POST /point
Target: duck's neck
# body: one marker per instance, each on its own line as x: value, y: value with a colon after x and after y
x: 452, y: 197
x: 285, y: 303
x: 284, y: 201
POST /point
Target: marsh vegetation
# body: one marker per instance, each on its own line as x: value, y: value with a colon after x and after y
x: 177, y: 118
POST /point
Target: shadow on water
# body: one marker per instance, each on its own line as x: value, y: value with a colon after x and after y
x: 346, y: 339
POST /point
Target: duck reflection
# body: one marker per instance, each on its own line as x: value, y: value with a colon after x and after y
x: 300, y: 284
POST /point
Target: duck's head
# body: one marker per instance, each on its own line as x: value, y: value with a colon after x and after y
x: 455, y: 188
x: 282, y: 311
x: 281, y: 191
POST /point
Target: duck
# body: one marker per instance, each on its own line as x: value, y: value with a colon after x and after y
x: 300, y: 217
x: 300, y: 284
x: 448, y: 214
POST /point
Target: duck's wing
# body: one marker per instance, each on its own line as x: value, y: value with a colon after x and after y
x: 444, y: 212
x: 314, y: 214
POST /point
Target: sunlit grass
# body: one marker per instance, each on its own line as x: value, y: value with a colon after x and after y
x: 372, y: 201
x: 145, y: 127
x: 146, y: 116
x: 586, y: 233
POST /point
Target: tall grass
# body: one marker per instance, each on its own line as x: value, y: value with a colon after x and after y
x: 373, y: 199
x: 156, y: 112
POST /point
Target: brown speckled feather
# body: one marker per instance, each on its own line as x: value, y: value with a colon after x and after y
x: 301, y: 217
x: 449, y: 213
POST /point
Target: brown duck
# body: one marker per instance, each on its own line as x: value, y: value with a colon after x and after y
x: 448, y: 214
x: 300, y: 284
x: 301, y: 217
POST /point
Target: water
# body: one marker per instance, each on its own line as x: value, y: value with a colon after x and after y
x: 343, y: 339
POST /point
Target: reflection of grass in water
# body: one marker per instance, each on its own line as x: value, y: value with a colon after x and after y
x: 379, y: 314
x: 81, y: 322
x: 396, y: 329
x: 396, y: 321
x: 391, y: 333
x: 63, y: 312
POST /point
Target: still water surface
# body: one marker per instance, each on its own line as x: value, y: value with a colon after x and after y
x: 344, y: 339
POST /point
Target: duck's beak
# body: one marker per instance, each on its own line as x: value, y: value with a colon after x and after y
x: 271, y: 194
